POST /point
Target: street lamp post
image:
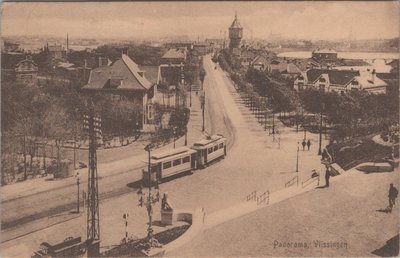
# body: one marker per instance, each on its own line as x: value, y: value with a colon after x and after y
x: 186, y: 136
x: 190, y: 95
x: 305, y: 132
x: 174, y: 133
x: 273, y: 123
x: 320, y: 132
x: 265, y: 121
x: 149, y: 202
x: 297, y: 158
x: 203, y: 104
x: 77, y: 184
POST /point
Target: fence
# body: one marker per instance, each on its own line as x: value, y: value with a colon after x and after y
x: 310, y: 180
x: 263, y: 198
x: 292, y: 181
x: 252, y: 196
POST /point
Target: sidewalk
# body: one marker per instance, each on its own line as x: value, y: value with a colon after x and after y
x: 346, y: 214
x: 250, y: 206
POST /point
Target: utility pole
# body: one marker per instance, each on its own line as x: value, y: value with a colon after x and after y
x: 24, y: 146
x: 203, y: 107
x: 273, y: 123
x: 190, y: 95
x: 297, y: 159
x: 74, y: 153
x: 320, y: 131
x: 174, y: 132
x: 186, y: 135
x: 265, y: 120
x: 77, y: 184
x: 93, y: 125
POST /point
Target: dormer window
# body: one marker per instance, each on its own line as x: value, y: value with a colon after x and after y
x: 114, y: 82
x: 322, y: 80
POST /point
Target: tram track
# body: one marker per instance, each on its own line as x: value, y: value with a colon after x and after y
x: 113, y: 185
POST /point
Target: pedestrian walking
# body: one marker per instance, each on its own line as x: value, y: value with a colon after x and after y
x: 304, y: 144
x: 392, y: 197
x: 308, y: 144
x: 327, y: 175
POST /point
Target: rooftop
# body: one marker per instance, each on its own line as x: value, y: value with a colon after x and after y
x: 324, y: 51
x: 338, y: 77
x: 175, y: 53
x: 122, y: 74
x: 367, y: 81
x: 235, y: 24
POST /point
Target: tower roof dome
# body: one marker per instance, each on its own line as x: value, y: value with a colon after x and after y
x: 235, y: 23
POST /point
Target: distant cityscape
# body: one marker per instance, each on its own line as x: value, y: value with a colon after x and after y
x: 274, y: 42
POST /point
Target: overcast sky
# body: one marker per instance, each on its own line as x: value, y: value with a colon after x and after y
x: 307, y: 20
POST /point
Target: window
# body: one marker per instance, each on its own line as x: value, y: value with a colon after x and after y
x: 167, y: 165
x: 215, y: 147
x: 221, y: 145
x: 186, y: 159
x: 177, y: 162
x: 210, y: 150
x: 150, y: 112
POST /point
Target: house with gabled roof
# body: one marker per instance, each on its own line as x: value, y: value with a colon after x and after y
x: 174, y: 56
x: 26, y: 71
x: 124, y: 79
x: 340, y: 81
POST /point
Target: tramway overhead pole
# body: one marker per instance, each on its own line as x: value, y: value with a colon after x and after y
x: 149, y: 201
x: 92, y: 124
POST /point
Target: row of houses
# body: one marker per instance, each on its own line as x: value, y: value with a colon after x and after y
x: 340, y: 81
x: 324, y: 71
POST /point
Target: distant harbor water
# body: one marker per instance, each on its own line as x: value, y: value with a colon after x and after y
x: 344, y: 55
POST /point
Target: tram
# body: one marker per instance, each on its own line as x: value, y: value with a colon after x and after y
x: 200, y: 155
x: 210, y: 149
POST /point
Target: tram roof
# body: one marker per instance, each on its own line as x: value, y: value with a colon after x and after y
x: 165, y: 155
x: 212, y: 139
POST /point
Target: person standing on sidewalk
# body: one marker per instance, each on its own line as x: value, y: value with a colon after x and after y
x: 308, y: 144
x: 304, y: 144
x: 327, y: 175
x: 392, y: 197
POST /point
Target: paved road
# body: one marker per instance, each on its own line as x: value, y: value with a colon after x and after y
x: 36, y: 199
x: 254, y: 162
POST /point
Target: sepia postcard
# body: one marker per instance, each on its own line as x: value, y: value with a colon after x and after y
x: 200, y: 129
